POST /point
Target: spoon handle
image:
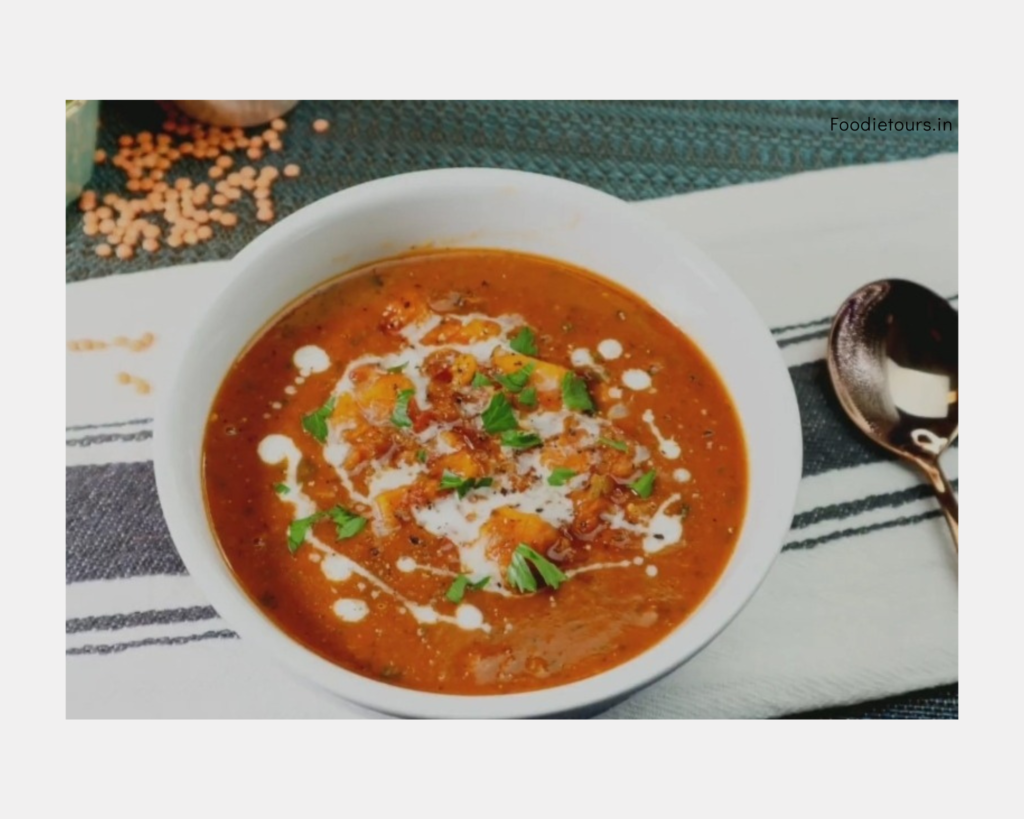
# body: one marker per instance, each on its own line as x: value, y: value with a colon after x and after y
x: 946, y: 497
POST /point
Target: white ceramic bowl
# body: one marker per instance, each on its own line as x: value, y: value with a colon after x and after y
x: 490, y: 209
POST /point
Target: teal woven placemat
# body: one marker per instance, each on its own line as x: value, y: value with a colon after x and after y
x: 635, y: 150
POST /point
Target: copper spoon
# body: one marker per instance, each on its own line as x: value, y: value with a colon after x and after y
x: 892, y: 356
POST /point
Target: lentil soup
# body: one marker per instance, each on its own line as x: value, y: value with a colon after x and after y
x: 474, y: 472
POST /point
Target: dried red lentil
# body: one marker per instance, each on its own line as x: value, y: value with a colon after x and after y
x: 125, y: 223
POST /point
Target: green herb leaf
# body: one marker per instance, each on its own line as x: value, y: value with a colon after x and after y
x: 528, y: 397
x: 549, y: 572
x: 517, y: 439
x: 521, y: 576
x: 457, y: 590
x: 524, y: 342
x: 421, y: 456
x: 619, y: 445
x: 514, y: 382
x: 400, y: 417
x: 316, y: 422
x: 574, y: 393
x: 347, y: 524
x: 281, y: 488
x: 644, y: 485
x: 561, y: 476
x: 398, y: 367
x: 480, y: 380
x: 298, y: 529
x: 449, y: 480
x: 498, y: 416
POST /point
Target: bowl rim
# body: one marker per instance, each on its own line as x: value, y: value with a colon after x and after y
x: 193, y: 536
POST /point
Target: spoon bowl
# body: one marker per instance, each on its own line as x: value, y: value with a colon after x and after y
x: 892, y: 357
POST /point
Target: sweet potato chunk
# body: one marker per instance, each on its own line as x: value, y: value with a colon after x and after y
x: 401, y: 312
x: 376, y: 397
x: 509, y: 527
x: 546, y: 377
x: 463, y: 369
x: 460, y: 463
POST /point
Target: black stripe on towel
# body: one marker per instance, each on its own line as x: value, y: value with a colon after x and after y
x: 116, y: 648
x: 846, y: 509
x: 909, y: 520
x: 116, y: 622
x: 133, y: 422
x: 108, y: 437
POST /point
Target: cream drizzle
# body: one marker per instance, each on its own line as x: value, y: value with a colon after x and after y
x: 660, y: 532
x: 310, y: 359
x: 610, y: 349
x: 636, y: 380
x: 351, y: 611
x: 581, y: 357
x: 666, y: 446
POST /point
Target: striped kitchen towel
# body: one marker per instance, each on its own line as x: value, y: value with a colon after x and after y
x: 861, y: 604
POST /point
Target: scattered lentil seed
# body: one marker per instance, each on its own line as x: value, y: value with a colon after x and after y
x: 321, y: 125
x: 124, y: 222
x: 291, y: 170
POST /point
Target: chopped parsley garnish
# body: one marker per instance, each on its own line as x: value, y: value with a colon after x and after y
x: 480, y: 380
x: 281, y: 488
x: 574, y: 393
x: 498, y: 417
x: 316, y: 422
x: 644, y: 485
x: 520, y: 575
x: 528, y: 397
x: 347, y: 524
x: 421, y: 456
x: 398, y: 367
x: 619, y: 445
x: 457, y: 590
x: 400, y: 417
x: 298, y: 529
x: 524, y: 342
x: 514, y: 382
x: 449, y: 480
x: 517, y: 439
x: 561, y: 476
